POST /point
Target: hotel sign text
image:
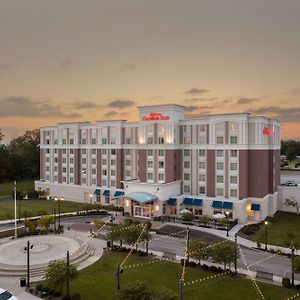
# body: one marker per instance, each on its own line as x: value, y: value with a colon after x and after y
x: 153, y: 116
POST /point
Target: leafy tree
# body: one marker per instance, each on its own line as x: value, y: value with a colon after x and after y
x: 292, y: 202
x: 297, y: 264
x: 45, y: 222
x: 291, y: 154
x: 4, y: 163
x: 1, y: 136
x: 56, y: 274
x: 163, y: 294
x: 204, y: 219
x: 224, y: 253
x: 131, y: 235
x: 199, y: 249
x: 136, y: 291
x: 187, y: 216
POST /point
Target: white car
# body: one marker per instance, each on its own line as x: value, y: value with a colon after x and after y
x: 5, y: 295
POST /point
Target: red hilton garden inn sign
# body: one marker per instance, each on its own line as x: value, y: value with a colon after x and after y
x: 153, y: 116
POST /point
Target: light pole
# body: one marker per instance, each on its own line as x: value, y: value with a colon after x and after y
x: 15, y: 196
x: 61, y: 199
x: 266, y: 235
x: 54, y: 220
x: 27, y: 248
x: 68, y: 275
x: 91, y: 198
x: 235, y: 253
x: 227, y: 219
x: 292, y: 247
x: 118, y: 274
x: 187, y: 243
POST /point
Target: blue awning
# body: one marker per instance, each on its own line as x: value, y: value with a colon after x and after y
x: 97, y: 192
x: 198, y: 202
x: 227, y: 205
x: 217, y: 204
x: 188, y: 201
x: 172, y: 201
x: 106, y: 193
x: 118, y: 194
x: 255, y: 207
x: 141, y: 197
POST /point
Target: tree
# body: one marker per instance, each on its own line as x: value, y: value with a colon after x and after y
x: 4, y: 163
x: 130, y: 235
x: 56, y: 274
x: 292, y: 202
x: 136, y: 291
x: 199, y: 249
x: 45, y: 222
x: 163, y: 294
x: 297, y: 264
x: 187, y: 216
x: 291, y: 154
x: 1, y: 136
x: 224, y: 253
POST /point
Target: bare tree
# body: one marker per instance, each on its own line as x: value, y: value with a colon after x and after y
x: 292, y: 202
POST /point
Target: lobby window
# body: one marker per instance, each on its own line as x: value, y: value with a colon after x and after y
x: 187, y: 152
x: 233, y: 193
x: 198, y: 212
x: 202, y: 153
x: 233, y: 153
x: 161, y: 152
x: 201, y: 165
x: 161, y: 177
x: 161, y: 140
x: 186, y: 189
x: 220, y: 140
x: 186, y: 164
x: 186, y: 176
x: 233, y: 179
x: 201, y: 177
x: 220, y: 192
x: 220, y: 179
x: 220, y: 166
x: 233, y: 166
x: 202, y: 190
x: 233, y: 140
x: 150, y: 176
x: 220, y: 153
x: 161, y: 164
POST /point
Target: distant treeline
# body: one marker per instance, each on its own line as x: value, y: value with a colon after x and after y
x: 291, y: 149
x: 20, y: 159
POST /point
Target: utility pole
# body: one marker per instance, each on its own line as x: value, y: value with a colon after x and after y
x: 180, y: 289
x: 111, y: 240
x: 147, y: 241
x: 293, y: 269
x: 235, y: 254
x: 118, y: 274
x: 15, y: 196
x: 187, y: 243
x: 54, y: 220
x: 68, y: 275
x: 27, y: 248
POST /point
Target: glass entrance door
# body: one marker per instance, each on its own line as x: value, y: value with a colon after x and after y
x: 142, y: 211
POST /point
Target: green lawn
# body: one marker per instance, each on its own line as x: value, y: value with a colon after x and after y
x: 98, y: 281
x: 278, y: 227
x: 7, y: 187
x: 36, y: 206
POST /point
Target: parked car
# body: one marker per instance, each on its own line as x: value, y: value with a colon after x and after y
x: 5, y: 295
x: 291, y: 183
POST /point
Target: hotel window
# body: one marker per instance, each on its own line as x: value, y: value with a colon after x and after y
x: 161, y: 140
x: 71, y: 143
x: 186, y: 189
x: 201, y: 165
x: 55, y: 160
x: 161, y: 164
x: 83, y: 151
x: 161, y: 152
x: 202, y: 152
x: 55, y: 151
x: 161, y: 177
x: 127, y: 162
x: 71, y: 179
x: 186, y: 164
x: 150, y: 140
x: 113, y: 140
x: 233, y: 166
x: 233, y: 193
x: 202, y: 140
x: 150, y: 152
x: 72, y: 170
x: 64, y: 141
x: 104, y: 182
x: 220, y: 192
x: 233, y: 153
x: 201, y: 177
x: 94, y: 151
x: 112, y: 162
x: 104, y: 162
x: 64, y: 151
x: 104, y: 141
x: 64, y: 160
x: 71, y: 160
x: 233, y: 140
x: 55, y: 178
x: 233, y: 179
x: 104, y: 151
x: 64, y: 170
x: 220, y: 140
x: 128, y: 140
x: 220, y: 153
x: 113, y: 172
x: 202, y: 190
x: 71, y: 151
x: 202, y: 128
x: 47, y: 151
x: 220, y: 166
x: 94, y: 171
x: 127, y: 152
x: 113, y: 151
x: 94, y: 141
x: 47, y: 169
x: 112, y: 183
x: 186, y: 176
x: 186, y: 152
x: 83, y: 141
x: 220, y: 178
x: 93, y: 181
x: 83, y: 180
x: 47, y: 159
x: 150, y: 176
x: 83, y: 161
x: 127, y: 173
x: 55, y: 169
x: 150, y: 164
x: 64, y: 179
x: 104, y: 172
x: 198, y: 212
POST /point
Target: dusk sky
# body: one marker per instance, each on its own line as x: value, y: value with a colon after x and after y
x: 75, y: 60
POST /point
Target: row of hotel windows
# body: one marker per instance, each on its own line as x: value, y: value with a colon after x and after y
x: 93, y: 151
x: 202, y: 191
x: 219, y: 178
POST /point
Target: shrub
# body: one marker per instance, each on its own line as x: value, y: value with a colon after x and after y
x: 192, y: 264
x: 297, y: 286
x: 297, y: 164
x: 205, y: 267
x: 286, y: 282
x: 56, y: 293
x: 76, y: 296
x: 39, y: 287
x: 213, y: 269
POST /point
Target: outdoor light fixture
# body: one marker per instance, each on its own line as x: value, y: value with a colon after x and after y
x: 266, y: 237
x: 156, y: 207
x: 127, y: 203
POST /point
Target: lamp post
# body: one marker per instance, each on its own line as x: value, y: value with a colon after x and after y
x: 68, y: 275
x: 91, y: 198
x: 27, y: 248
x: 292, y: 247
x: 54, y: 219
x: 15, y: 196
x: 61, y: 199
x: 227, y: 219
x: 266, y: 235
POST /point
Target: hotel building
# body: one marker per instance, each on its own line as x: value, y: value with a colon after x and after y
x: 165, y: 163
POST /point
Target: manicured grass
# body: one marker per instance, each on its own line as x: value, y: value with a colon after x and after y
x: 278, y: 227
x: 99, y: 281
x: 6, y: 188
x: 36, y: 206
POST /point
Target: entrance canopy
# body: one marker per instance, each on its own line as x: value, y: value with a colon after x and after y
x: 141, y: 197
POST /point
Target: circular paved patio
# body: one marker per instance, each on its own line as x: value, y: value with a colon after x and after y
x: 45, y: 248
